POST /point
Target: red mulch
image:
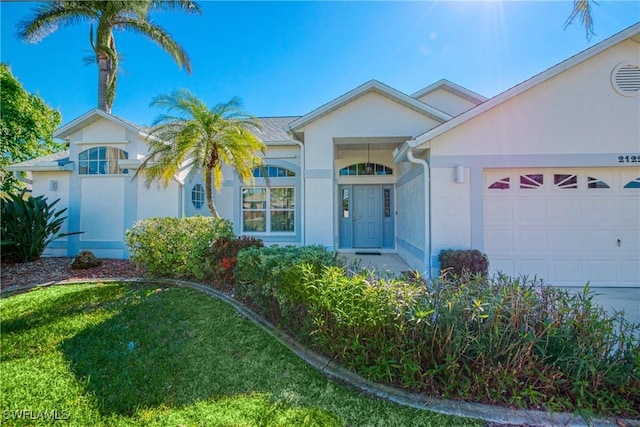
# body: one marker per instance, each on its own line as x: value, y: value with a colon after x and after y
x: 55, y: 269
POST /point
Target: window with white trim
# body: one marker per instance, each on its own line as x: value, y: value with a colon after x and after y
x: 197, y: 196
x: 268, y: 209
x: 101, y: 161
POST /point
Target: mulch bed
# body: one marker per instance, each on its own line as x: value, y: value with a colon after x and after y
x: 55, y: 269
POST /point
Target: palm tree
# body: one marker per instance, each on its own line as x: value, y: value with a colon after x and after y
x: 582, y: 9
x: 201, y: 139
x: 109, y: 15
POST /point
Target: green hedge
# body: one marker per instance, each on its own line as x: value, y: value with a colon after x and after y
x: 175, y: 247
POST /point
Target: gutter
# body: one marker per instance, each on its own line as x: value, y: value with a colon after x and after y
x: 427, y: 203
x: 303, y: 185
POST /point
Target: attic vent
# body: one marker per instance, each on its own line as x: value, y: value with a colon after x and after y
x: 626, y: 79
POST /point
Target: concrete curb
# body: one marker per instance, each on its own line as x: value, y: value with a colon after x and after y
x: 489, y: 413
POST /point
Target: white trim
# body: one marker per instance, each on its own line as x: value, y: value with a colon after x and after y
x: 452, y: 88
x: 103, y: 142
x: 376, y: 87
x: 90, y: 117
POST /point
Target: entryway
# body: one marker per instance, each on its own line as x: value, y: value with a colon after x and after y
x: 366, y: 216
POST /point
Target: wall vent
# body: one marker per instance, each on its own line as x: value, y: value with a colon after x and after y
x: 626, y: 79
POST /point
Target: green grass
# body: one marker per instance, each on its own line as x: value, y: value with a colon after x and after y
x: 130, y: 354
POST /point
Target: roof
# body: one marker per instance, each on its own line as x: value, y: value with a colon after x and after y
x: 52, y: 162
x: 372, y: 86
x: 274, y: 129
x: 92, y: 116
x: 633, y: 32
x: 449, y: 86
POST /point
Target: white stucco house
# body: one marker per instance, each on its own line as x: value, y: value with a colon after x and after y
x: 544, y: 178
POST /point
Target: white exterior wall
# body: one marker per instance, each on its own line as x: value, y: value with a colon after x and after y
x: 371, y: 115
x: 577, y: 111
x: 451, y: 211
x: 157, y: 201
x: 446, y: 101
x: 411, y: 220
x: 41, y: 186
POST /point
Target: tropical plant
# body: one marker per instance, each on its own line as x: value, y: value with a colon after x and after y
x: 175, y: 247
x: 582, y: 10
x: 28, y: 225
x: 109, y: 15
x: 26, y: 126
x: 201, y: 139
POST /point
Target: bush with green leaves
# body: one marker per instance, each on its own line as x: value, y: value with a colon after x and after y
x: 29, y: 224
x: 459, y: 262
x: 175, y: 247
x: 501, y: 340
x: 222, y: 258
x: 268, y: 278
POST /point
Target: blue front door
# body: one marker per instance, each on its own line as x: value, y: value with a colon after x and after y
x: 367, y: 216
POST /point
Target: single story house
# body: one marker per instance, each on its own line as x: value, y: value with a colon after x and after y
x: 544, y: 178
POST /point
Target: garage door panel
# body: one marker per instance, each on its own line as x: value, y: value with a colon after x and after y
x: 563, y: 212
x: 533, y: 267
x: 531, y: 212
x: 601, y: 272
x: 499, y: 212
x: 500, y: 240
x: 580, y: 226
x: 629, y: 271
x: 565, y: 240
x: 532, y: 240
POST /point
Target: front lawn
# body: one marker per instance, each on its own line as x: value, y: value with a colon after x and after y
x: 125, y: 354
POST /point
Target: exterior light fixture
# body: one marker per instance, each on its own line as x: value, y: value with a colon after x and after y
x: 459, y: 175
x: 368, y: 167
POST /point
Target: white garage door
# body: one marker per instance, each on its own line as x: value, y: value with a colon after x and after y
x: 566, y: 226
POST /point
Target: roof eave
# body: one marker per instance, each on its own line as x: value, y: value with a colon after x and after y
x: 632, y: 32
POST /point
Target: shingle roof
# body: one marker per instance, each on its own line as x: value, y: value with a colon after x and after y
x: 274, y: 128
x: 61, y: 157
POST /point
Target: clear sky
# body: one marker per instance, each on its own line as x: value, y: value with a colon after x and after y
x: 289, y: 58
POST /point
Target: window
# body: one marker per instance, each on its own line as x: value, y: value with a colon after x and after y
x: 197, y: 196
x: 596, y: 183
x: 565, y: 181
x: 101, y: 161
x: 531, y: 181
x: 633, y: 184
x: 268, y: 210
x: 501, y: 184
x: 387, y: 202
x: 366, y: 169
x: 272, y: 172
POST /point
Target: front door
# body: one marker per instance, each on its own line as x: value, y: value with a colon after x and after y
x: 367, y: 216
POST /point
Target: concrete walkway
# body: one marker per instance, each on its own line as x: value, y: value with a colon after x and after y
x: 385, y: 263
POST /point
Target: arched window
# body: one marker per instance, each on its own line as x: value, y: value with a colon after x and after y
x: 366, y: 169
x: 101, y: 161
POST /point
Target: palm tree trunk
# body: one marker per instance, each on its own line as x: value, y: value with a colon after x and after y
x: 104, y: 72
x: 208, y: 188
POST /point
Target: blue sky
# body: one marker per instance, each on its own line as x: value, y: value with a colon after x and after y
x: 288, y: 58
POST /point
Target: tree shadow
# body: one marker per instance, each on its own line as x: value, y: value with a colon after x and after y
x: 173, y: 351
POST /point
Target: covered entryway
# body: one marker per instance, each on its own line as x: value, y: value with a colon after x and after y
x: 365, y: 216
x: 566, y: 226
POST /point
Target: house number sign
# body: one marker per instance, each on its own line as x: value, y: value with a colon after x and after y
x: 629, y: 159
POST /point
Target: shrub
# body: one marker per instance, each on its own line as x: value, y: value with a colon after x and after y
x: 28, y: 225
x: 268, y: 278
x: 459, y: 262
x: 175, y: 247
x: 222, y: 258
x: 501, y: 340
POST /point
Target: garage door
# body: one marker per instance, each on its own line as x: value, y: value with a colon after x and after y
x: 567, y: 226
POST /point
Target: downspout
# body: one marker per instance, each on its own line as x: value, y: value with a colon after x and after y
x: 303, y: 185
x: 427, y: 205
